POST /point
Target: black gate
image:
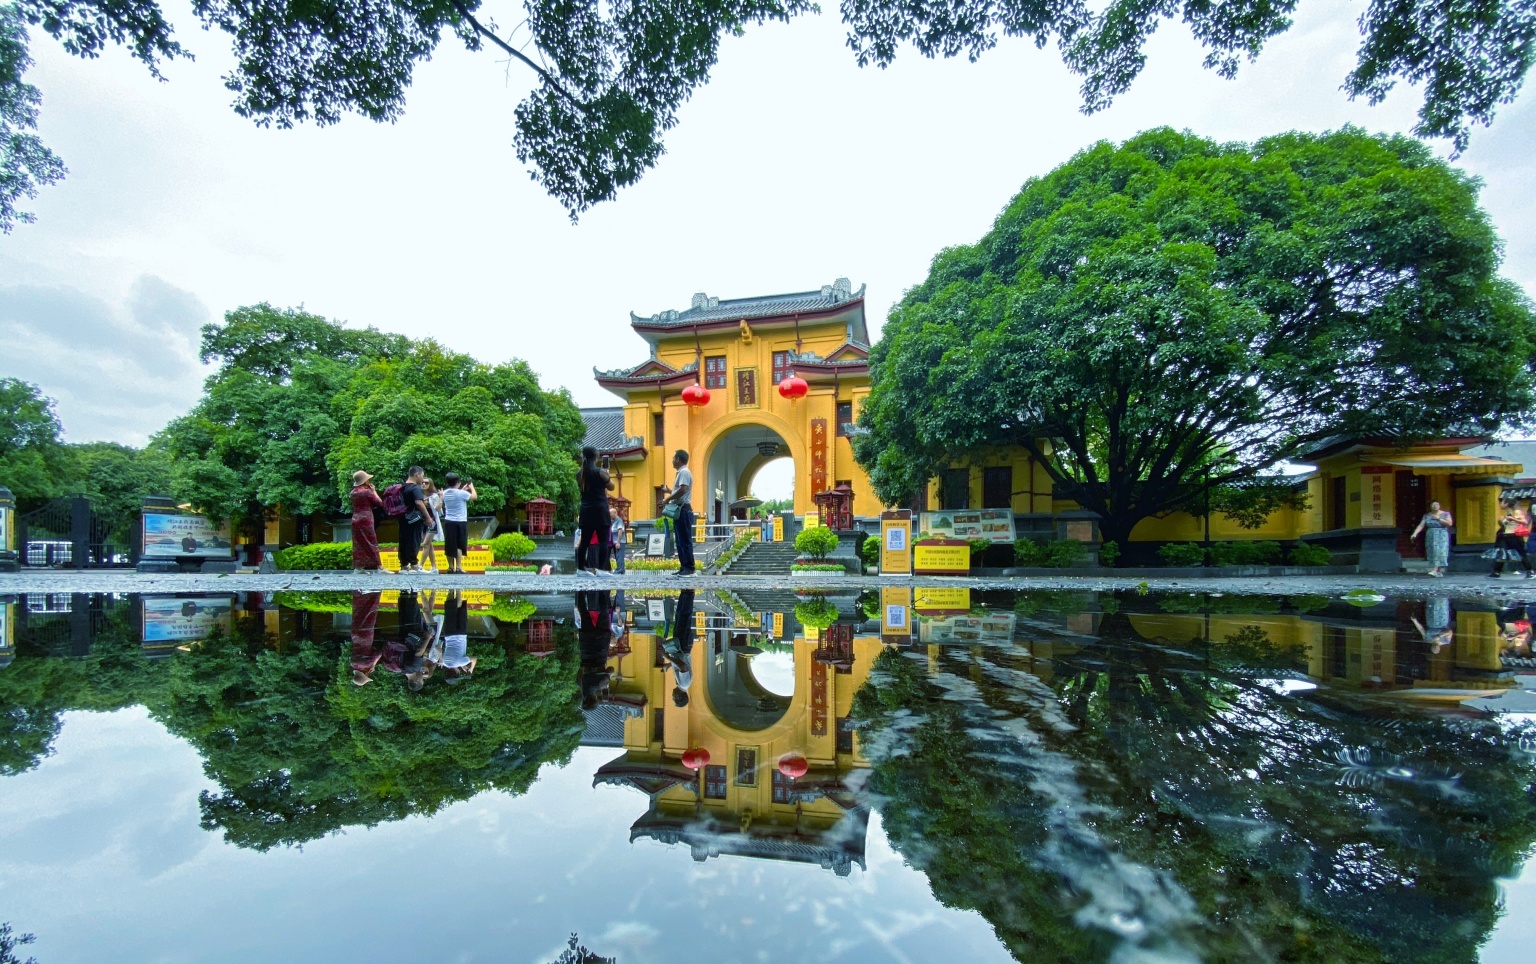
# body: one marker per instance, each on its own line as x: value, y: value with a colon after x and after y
x: 67, y: 533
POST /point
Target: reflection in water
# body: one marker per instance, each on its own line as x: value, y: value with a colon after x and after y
x: 1194, y: 776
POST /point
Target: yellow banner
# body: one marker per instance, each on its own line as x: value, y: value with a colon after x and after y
x: 953, y: 559
x: 812, y: 520
x: 778, y: 528
x: 928, y: 599
x: 475, y: 560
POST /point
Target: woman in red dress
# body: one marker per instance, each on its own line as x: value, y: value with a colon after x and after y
x: 365, y: 541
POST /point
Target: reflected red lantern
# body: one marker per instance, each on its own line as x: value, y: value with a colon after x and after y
x: 793, y: 387
x: 695, y: 758
x: 793, y: 766
x: 695, y: 396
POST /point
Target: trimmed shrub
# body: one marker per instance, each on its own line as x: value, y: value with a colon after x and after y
x: 510, y: 609
x: 315, y: 555
x: 650, y: 565
x: 1303, y: 554
x: 1245, y: 553
x: 978, y: 546
x: 816, y: 612
x: 1049, y: 553
x: 1181, y: 554
x: 1109, y: 551
x: 870, y: 551
x: 816, y: 567
x: 511, y: 545
x: 817, y: 542
x: 512, y: 567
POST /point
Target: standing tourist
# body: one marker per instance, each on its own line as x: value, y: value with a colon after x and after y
x: 1436, y: 526
x: 414, y: 522
x: 592, y: 542
x: 457, y: 496
x: 618, y: 534
x: 365, y: 538
x: 1514, y: 528
x: 456, y: 662
x: 682, y: 492
x: 434, y: 533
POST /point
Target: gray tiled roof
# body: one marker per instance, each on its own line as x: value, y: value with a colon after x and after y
x: 707, y: 308
x: 605, y: 428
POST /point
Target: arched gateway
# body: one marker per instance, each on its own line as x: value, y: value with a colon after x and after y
x: 739, y: 350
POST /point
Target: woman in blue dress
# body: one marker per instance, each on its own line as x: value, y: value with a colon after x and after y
x: 1436, y: 526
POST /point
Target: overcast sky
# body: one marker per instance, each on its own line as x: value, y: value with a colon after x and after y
x: 792, y: 167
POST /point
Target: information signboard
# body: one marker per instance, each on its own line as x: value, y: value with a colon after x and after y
x: 170, y: 619
x: 993, y: 525
x: 991, y: 628
x: 941, y: 557
x: 168, y: 535
x: 895, y: 613
x: 941, y: 600
x: 896, y: 542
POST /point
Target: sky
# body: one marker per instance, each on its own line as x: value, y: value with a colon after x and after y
x: 791, y: 168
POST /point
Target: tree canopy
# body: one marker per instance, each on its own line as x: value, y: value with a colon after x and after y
x: 299, y: 403
x: 1171, y: 313
x: 610, y: 79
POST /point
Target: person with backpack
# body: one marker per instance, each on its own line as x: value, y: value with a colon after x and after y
x: 414, y: 523
x: 365, y: 539
x: 1510, y: 542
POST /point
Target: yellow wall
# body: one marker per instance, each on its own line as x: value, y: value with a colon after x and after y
x: 1031, y: 484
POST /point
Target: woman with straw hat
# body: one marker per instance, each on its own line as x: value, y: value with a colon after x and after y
x: 365, y: 539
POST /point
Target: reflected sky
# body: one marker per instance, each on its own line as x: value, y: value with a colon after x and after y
x: 996, y: 777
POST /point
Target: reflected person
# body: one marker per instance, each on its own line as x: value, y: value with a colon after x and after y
x: 365, y: 650
x: 592, y: 632
x: 457, y: 664
x: 679, y: 649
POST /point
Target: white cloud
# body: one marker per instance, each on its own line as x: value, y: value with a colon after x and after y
x: 118, y: 369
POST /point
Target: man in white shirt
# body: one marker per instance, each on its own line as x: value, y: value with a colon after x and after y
x: 682, y: 492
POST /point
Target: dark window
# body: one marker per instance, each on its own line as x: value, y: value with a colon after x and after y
x: 658, y: 715
x: 956, y: 492
x: 844, y: 419
x: 658, y: 430
x: 780, y: 366
x: 844, y: 735
x: 661, y: 499
x: 714, y: 783
x: 782, y: 788
x: 746, y: 766
x: 997, y: 488
x: 714, y: 371
x: 1339, y: 501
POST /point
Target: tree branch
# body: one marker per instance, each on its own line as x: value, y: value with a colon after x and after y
x: 493, y: 38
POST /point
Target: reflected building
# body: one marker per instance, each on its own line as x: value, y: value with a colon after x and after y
x: 767, y: 701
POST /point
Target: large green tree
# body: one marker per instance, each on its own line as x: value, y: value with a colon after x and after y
x: 1153, y: 318
x: 610, y: 78
x: 299, y: 403
x: 34, y: 462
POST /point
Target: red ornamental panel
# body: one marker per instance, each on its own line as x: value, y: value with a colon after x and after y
x: 818, y: 455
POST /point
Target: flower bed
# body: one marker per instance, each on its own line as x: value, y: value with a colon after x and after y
x: 816, y: 567
x: 526, y: 568
x: 651, y: 565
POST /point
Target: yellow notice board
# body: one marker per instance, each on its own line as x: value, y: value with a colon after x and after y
x: 778, y: 528
x: 812, y: 520
x: 475, y: 560
x: 937, y: 600
x: 941, y: 557
x: 896, y: 542
x: 895, y: 612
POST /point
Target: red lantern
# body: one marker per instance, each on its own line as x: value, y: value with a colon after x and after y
x: 695, y: 758
x: 695, y: 396
x: 793, y: 387
x: 793, y: 766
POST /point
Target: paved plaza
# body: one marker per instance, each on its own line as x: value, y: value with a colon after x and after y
x: 1401, y: 585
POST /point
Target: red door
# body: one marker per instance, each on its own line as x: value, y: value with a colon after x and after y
x: 1412, y: 503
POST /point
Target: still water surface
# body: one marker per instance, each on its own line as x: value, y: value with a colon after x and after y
x: 767, y: 777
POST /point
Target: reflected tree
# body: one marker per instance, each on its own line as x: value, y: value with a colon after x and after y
x: 1172, y: 796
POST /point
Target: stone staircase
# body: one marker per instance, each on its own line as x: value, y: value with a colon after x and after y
x: 764, y: 559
